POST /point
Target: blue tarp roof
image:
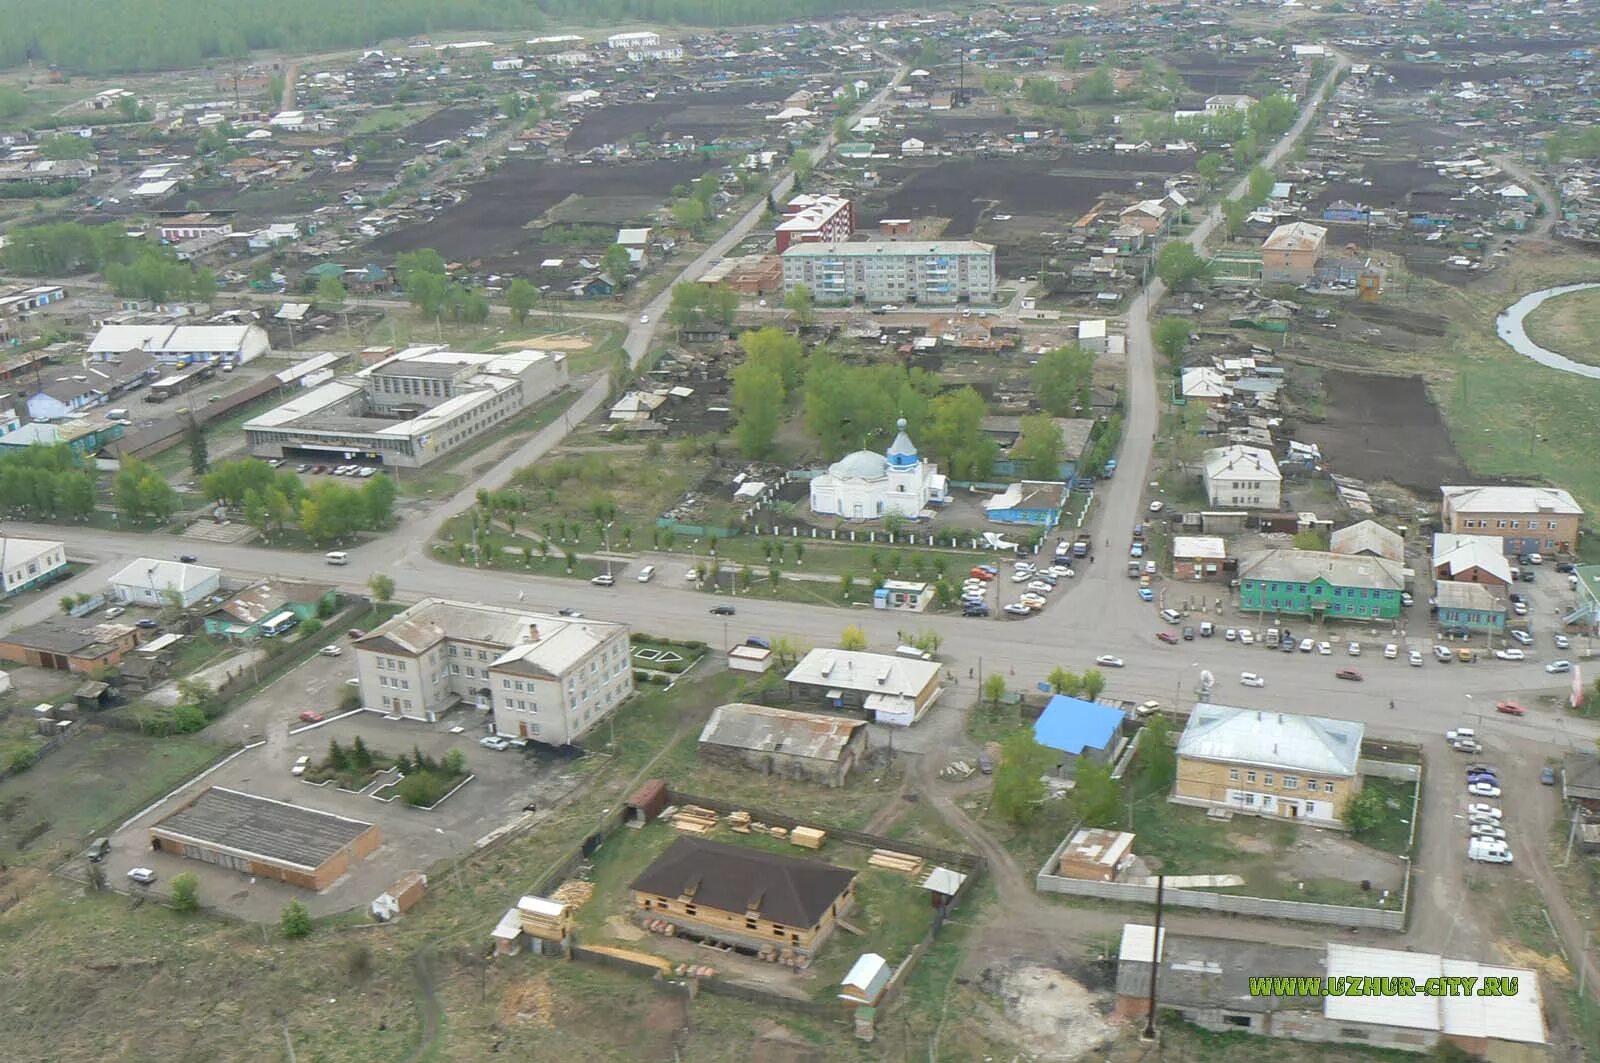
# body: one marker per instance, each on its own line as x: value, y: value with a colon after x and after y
x: 1073, y: 725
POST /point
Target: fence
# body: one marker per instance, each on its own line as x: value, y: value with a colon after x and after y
x: 44, y: 749
x: 1259, y: 907
x: 696, y: 531
x: 1390, y: 769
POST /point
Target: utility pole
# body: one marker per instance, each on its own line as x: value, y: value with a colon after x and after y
x: 1155, y: 961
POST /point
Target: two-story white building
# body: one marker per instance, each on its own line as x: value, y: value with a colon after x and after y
x: 1240, y: 477
x: 547, y: 679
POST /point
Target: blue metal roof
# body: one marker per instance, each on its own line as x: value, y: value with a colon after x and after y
x: 1073, y: 725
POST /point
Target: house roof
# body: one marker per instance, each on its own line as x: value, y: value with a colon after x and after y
x: 761, y: 728
x: 1199, y: 546
x: 1499, y: 499
x: 871, y: 673
x: 148, y: 572
x: 731, y: 878
x: 1204, y: 382
x: 529, y: 643
x: 1511, y: 1018
x: 1295, y: 236
x: 15, y: 552
x: 1072, y: 725
x: 1338, y: 570
x: 1456, y: 554
x: 1451, y: 594
x: 1238, y: 461
x: 1580, y: 776
x: 1275, y: 739
x: 1368, y: 537
x: 255, y: 603
x: 170, y: 339
x: 262, y: 827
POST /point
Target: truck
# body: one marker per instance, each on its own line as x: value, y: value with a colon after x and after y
x: 1133, y: 570
x: 1080, y: 547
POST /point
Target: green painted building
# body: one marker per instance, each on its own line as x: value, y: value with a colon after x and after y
x: 1319, y: 583
x: 241, y: 616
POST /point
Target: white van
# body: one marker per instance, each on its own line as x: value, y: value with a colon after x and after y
x: 336, y: 557
x: 647, y: 573
x: 117, y: 415
x: 913, y: 653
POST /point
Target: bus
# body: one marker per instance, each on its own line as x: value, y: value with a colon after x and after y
x: 277, y: 625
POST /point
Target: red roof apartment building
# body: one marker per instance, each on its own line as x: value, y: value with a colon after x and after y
x: 811, y: 219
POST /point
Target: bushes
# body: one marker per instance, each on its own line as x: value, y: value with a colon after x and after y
x: 295, y: 921
x: 423, y: 788
x: 186, y: 893
x: 22, y: 760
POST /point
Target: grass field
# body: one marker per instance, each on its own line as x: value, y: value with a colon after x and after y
x: 1569, y: 325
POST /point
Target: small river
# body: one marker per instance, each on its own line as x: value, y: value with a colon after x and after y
x: 1510, y: 327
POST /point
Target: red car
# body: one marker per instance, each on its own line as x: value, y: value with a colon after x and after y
x: 1348, y: 673
x: 1510, y: 708
x: 311, y: 717
x: 1168, y: 637
x: 981, y: 573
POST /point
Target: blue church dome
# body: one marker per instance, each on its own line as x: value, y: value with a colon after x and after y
x: 902, y: 454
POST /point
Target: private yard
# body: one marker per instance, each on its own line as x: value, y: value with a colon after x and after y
x: 891, y: 910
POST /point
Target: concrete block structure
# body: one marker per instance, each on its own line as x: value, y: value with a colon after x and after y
x: 926, y: 272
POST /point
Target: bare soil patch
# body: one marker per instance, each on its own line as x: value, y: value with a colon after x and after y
x: 705, y: 115
x: 1385, y: 428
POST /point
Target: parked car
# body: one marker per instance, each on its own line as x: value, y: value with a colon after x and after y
x: 331, y: 650
x: 1390, y: 651
x: 1488, y: 851
x: 981, y: 573
x: 301, y: 763
x: 1535, y: 559
x: 1547, y: 775
x: 1483, y: 789
x: 1563, y: 643
x: 1513, y: 653
x: 1442, y: 654
x: 1480, y: 830
x: 975, y: 610
x: 142, y: 875
x: 494, y: 742
x: 145, y: 622
x: 1405, y: 598
x: 1157, y: 506
x: 1039, y: 586
x: 1348, y: 673
x: 568, y: 611
x: 605, y: 579
x: 1106, y: 660
x: 1324, y: 648
x: 1250, y: 679
x: 1354, y: 649
x: 647, y: 573
x: 98, y: 850
x: 1521, y: 636
x: 1017, y: 609
x: 187, y: 559
x: 1171, y: 616
x: 1558, y: 667
x: 1415, y: 658
x: 1230, y: 635
x: 1491, y: 811
x: 1188, y: 634
x: 1168, y: 637
x: 1306, y: 645
x: 1466, y: 745
x: 311, y: 716
x: 1207, y: 628
x: 1147, y: 708
x: 1146, y: 594
x: 1510, y: 708
x: 114, y: 612
x: 1246, y: 636
x: 722, y: 610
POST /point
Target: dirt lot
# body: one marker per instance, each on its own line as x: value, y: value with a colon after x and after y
x: 963, y: 189
x: 1384, y: 428
x: 489, y: 226
x: 448, y: 123
x: 704, y: 115
x: 1208, y: 75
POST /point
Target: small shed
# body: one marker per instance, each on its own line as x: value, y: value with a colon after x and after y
x: 93, y: 695
x: 866, y: 980
x: 647, y: 802
x: 401, y: 897
x: 748, y: 658
x: 544, y: 918
x: 942, y: 885
x: 507, y: 934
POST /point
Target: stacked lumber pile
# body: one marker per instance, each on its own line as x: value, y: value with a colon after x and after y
x: 807, y: 837
x: 573, y: 892
x: 889, y: 860
x: 739, y: 821
x: 694, y: 970
x: 692, y: 819
x: 778, y: 832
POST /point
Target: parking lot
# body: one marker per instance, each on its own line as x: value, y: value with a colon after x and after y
x: 504, y: 786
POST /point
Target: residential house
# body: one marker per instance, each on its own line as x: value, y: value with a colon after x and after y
x: 29, y: 563
x: 1211, y: 982
x: 1526, y: 519
x: 1149, y: 216
x: 1580, y: 780
x: 83, y: 437
x: 1076, y: 729
x: 1092, y: 335
x: 1269, y: 763
x: 195, y: 226
x: 1035, y: 502
x: 69, y: 644
x: 634, y: 241
x: 747, y: 898
x: 1290, y: 253
x: 1343, y: 210
x: 543, y: 678
x: 1242, y: 477
x: 1225, y: 102
x: 793, y: 745
x: 1470, y: 559
x: 1368, y: 538
x: 241, y: 616
x: 894, y: 690
x: 1095, y: 854
x: 1196, y: 557
x: 912, y: 146
x: 1320, y: 583
x: 1468, y: 608
x: 1206, y: 385
x: 153, y: 582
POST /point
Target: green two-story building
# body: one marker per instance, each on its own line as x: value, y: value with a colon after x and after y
x: 1319, y: 583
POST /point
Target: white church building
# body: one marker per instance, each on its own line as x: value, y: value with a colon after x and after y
x: 867, y: 485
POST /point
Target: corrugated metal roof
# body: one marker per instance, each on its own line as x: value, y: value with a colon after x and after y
x: 1502, y: 499
x: 1276, y: 739
x: 769, y: 730
x: 1072, y: 725
x: 1338, y: 570
x: 1357, y: 961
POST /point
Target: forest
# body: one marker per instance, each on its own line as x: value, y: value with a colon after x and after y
x: 94, y: 37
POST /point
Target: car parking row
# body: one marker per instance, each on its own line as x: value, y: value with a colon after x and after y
x: 1487, y: 842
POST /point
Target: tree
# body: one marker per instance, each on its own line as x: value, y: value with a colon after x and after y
x: 800, y: 303
x: 689, y: 214
x: 330, y: 293
x: 196, y: 692
x: 1019, y: 778
x: 409, y: 265
x: 1177, y: 264
x: 1093, y: 681
x: 295, y: 921
x: 199, y: 455
x: 1171, y: 336
x: 1158, y: 760
x: 186, y: 892
x: 994, y: 688
x: 427, y: 292
x: 758, y: 395
x: 1234, y: 213
x: 65, y: 146
x: 1261, y: 183
x: 1061, y: 380
x: 377, y: 498
x: 1096, y: 796
x: 1311, y: 539
x: 614, y: 264
x: 382, y: 587
x: 1209, y: 167
x: 1064, y: 682
x: 1038, y: 448
x: 1364, y: 812
x: 954, y: 434
x: 521, y: 297
x: 1098, y: 87
x: 853, y: 638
